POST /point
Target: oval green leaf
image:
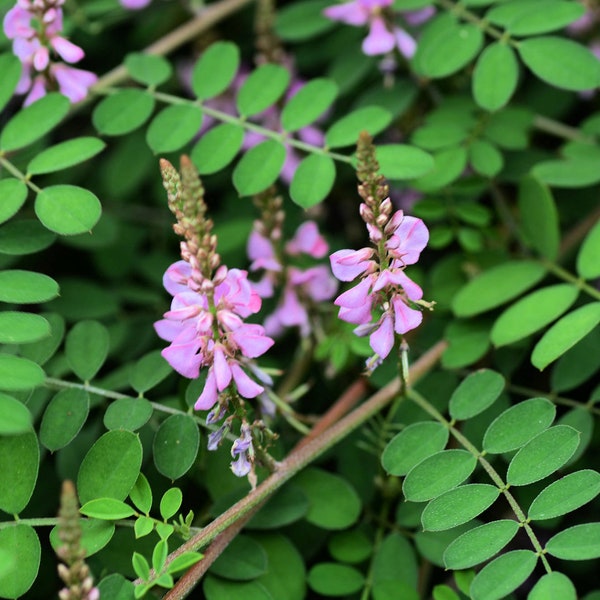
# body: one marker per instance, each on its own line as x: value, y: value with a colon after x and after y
x: 479, y: 544
x: 41, y: 351
x: 297, y: 22
x: 215, y: 70
x: 581, y: 542
x: 64, y: 155
x: 10, y: 67
x: 448, y: 164
x: 458, y: 506
x: 18, y: 373
x: 334, y: 579
x: 543, y: 455
x: 437, y: 474
x: 13, y: 193
x: 503, y: 575
x: 217, y: 148
x: 400, y: 161
x: 565, y: 333
x: 258, y: 168
x: 495, y: 76
x: 19, y: 463
x: 111, y: 467
x: 15, y: 417
x: 588, y: 265
x: 412, y: 445
x: 123, y: 112
x: 149, y: 69
x: 175, y: 446
x: 26, y: 287
x: 64, y: 417
x: 22, y: 545
x: 308, y: 104
x: 475, y: 393
x: 173, y: 127
x: 149, y: 371
x: 485, y: 158
x: 24, y: 236
x: 553, y: 585
x: 496, y: 286
x: 22, y: 328
x: 86, y: 348
x: 351, y: 546
x: 95, y: 534
x: 345, y: 131
x: 312, y: 180
x: 128, y: 413
x: 286, y: 506
x: 67, y: 209
x: 215, y: 588
x: 106, y: 509
x: 518, y: 425
x: 244, y: 559
x: 262, y: 88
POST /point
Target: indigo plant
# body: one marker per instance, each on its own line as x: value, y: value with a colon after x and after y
x: 299, y: 300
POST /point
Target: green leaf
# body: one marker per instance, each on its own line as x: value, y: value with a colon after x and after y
x: 215, y: 588
x: 479, y: 544
x: 468, y: 341
x: 412, y: 445
x: 128, y: 413
x: 496, y: 286
x: 111, y: 467
x: 24, y: 236
x: 149, y: 371
x: 319, y: 487
x: 116, y: 587
x: 399, y: 161
x: 446, y: 46
x: 532, y: 313
x: 244, y: 559
x: 64, y: 155
x: 308, y: 104
x: 217, y: 148
x: 560, y: 62
x: 345, y: 131
x: 581, y: 542
x: 123, y: 112
x: 485, y: 158
x: 553, y: 585
x: 565, y: 333
x: 297, y: 22
x: 565, y: 495
x: 41, y: 351
x: 18, y: 373
x: 183, y: 562
x: 159, y: 555
x: 19, y: 464
x: 443, y: 592
x: 431, y: 545
x: 287, y: 506
x: 543, y: 455
x: 448, y: 166
x: 475, y: 393
x: 149, y: 69
x: 141, y: 494
x: 173, y: 127
x: 140, y: 566
x: 518, y: 425
x: 509, y: 127
x: 577, y: 365
x: 107, y: 509
x: 22, y: 328
x: 67, y: 209
x: 10, y: 67
x: 395, y: 561
x: 33, y: 122
x: 95, y: 534
x: 64, y: 417
x: 175, y: 446
x: 262, y: 88
x: 503, y: 575
x: 576, y: 172
x: 86, y: 348
x: 588, y: 265
x: 170, y: 503
x: 458, y: 506
x: 215, y: 70
x: 350, y: 546
x: 22, y: 544
x: 13, y: 193
x: 26, y: 287
x: 333, y: 579
x: 440, y: 133
x: 495, y: 76
x: 437, y: 474
x: 313, y: 180
x: 15, y: 417
x: 258, y: 168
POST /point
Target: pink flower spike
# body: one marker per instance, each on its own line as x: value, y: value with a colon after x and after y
x: 380, y: 40
x: 246, y: 386
x: 349, y: 264
x: 382, y: 339
x: 308, y: 240
x: 68, y: 51
x: 209, y: 395
x: 351, y: 13
x: 405, y: 317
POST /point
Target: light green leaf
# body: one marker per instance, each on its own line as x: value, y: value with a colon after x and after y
x: 141, y: 494
x: 496, y: 286
x: 458, y: 506
x: 183, y: 562
x: 259, y: 168
x: 244, y: 559
x: 575, y: 172
x: 22, y: 328
x: 485, y: 158
x: 159, y: 555
x: 495, y: 76
x: 581, y: 542
x: 263, y: 87
x: 19, y: 464
x: 15, y: 417
x: 64, y: 155
x: 215, y: 70
x: 64, y: 417
x: 22, y: 544
x: 24, y: 236
x: 543, y: 455
x: 532, y: 313
x: 26, y: 287
x: 111, y: 467
x: 141, y: 567
x: 308, y: 104
x: 33, y: 122
x: 479, y: 544
x: 399, y: 161
x: 149, y: 371
x: 553, y: 585
x: 67, y: 209
x: 518, y: 425
x: 107, y: 509
x: 175, y: 446
x: 313, y: 180
x: 345, y: 131
x: 503, y: 575
x: 565, y: 333
x: 86, y: 348
x: 128, y: 413
x: 437, y: 474
x: 173, y: 127
x: 13, y: 193
x: 10, y: 67
x: 123, y: 112
x: 412, y: 445
x: 440, y: 133
x: 18, y: 373
x: 334, y: 579
x: 217, y: 148
x: 588, y: 265
x: 170, y: 503
x: 297, y: 22
x: 565, y: 495
x: 149, y: 69
x: 561, y: 62
x: 475, y: 393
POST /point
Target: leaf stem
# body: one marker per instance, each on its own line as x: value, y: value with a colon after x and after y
x: 4, y: 162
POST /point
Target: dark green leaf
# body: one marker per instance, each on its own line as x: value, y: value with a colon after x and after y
x: 19, y: 463
x: 43, y: 350
x: 215, y: 70
x: 128, y: 413
x: 244, y: 559
x: 286, y: 506
x: 123, y: 112
x: 440, y: 134
x: 215, y: 588
x: 509, y: 127
x: 297, y: 22
x: 313, y: 180
x: 395, y: 561
x: 448, y: 166
x: 176, y: 446
x: 399, y: 161
x: 95, y: 534
x: 468, y: 341
x: 173, y: 127
x: 22, y: 328
x: 588, y: 265
x: 576, y: 172
x: 24, y: 236
x: 64, y: 417
x: 18, y: 373
x: 149, y: 69
x: 308, y: 104
x: 116, y: 587
x: 333, y: 579
x: 10, y: 67
x: 22, y: 545
x: 431, y: 545
x: 258, y: 168
x: 149, y: 371
x: 495, y: 76
x: 553, y: 585
x: 577, y: 365
x: 217, y: 148
x: 107, y: 509
x: 15, y: 417
x: 581, y: 542
x: 345, y: 131
x: 13, y: 193
x: 351, y: 546
x: 26, y: 287
x: 86, y: 348
x: 262, y: 88
x: 475, y: 394
x: 64, y: 155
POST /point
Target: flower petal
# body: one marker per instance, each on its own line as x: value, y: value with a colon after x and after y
x: 405, y: 317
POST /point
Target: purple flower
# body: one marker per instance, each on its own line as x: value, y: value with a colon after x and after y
x: 242, y: 451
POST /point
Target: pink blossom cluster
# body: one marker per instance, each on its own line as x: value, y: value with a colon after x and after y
x: 301, y: 287
x: 383, y: 283
x: 205, y: 329
x: 384, y: 35
x: 35, y: 27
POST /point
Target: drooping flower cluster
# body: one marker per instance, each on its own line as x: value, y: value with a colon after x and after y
x: 397, y: 242
x: 35, y: 27
x: 384, y: 34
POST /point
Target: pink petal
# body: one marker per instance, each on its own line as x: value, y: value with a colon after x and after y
x: 397, y: 277
x: 221, y: 368
x: 408, y: 240
x: 68, y: 51
x: 246, y: 386
x: 251, y: 340
x: 406, y: 318
x: 380, y: 40
x: 183, y: 358
x: 356, y: 296
x: 382, y: 339
x: 176, y: 277
x: 308, y: 240
x: 405, y: 42
x: 351, y: 13
x: 359, y: 316
x: 349, y: 264
x: 73, y: 83
x: 134, y: 4
x: 37, y: 91
x: 209, y: 395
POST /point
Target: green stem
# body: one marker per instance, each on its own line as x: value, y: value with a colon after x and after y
x: 560, y: 129
x: 40, y: 522
x: 4, y: 162
x: 554, y: 398
x: 466, y: 15
x: 567, y: 276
